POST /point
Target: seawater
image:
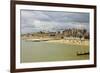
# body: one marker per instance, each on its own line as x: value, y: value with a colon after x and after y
x: 46, y: 51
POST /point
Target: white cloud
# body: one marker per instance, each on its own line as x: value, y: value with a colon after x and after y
x: 32, y: 21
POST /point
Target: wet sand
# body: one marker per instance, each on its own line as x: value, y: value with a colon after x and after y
x: 70, y: 42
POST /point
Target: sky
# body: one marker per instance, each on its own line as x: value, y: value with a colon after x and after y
x: 52, y: 21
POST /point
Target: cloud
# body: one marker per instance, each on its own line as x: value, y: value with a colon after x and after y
x: 34, y: 21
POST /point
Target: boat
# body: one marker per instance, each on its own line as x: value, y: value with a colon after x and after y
x: 84, y: 53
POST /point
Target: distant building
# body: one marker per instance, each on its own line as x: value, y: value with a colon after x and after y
x: 77, y: 33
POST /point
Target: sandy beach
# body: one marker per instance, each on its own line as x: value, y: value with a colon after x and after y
x: 70, y: 42
x: 62, y: 41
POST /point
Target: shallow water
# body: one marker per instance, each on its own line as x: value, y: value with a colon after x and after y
x: 44, y: 52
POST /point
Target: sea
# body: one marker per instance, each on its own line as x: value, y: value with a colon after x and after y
x: 32, y: 51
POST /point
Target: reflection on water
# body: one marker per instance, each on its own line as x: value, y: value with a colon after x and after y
x: 44, y: 51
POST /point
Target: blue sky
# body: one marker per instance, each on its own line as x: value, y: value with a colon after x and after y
x: 35, y: 21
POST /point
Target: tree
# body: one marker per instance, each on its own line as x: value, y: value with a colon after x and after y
x: 86, y: 36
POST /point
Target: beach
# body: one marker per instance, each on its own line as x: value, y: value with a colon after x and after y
x: 69, y: 41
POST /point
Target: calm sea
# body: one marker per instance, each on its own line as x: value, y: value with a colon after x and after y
x: 44, y: 52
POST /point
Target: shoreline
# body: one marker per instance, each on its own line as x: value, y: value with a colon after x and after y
x: 70, y: 42
x: 83, y: 42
